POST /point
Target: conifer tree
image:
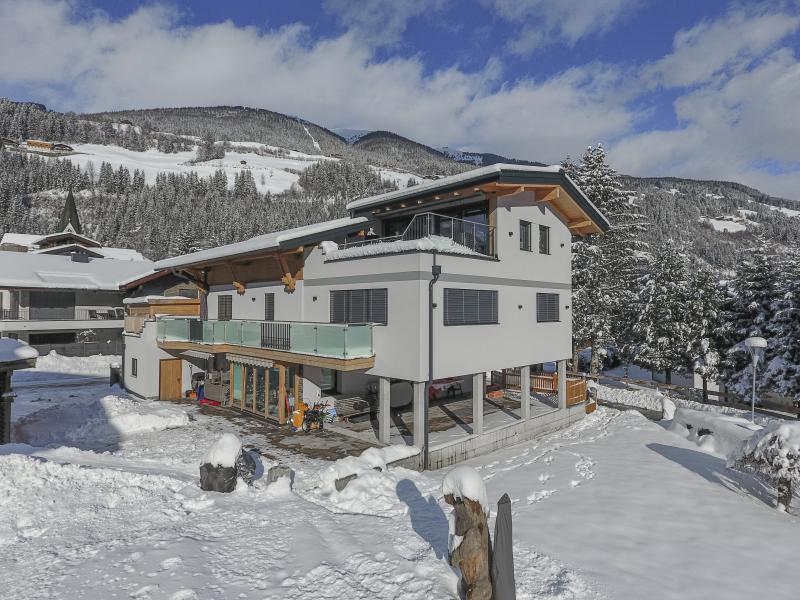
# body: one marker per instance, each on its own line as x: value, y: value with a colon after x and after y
x: 663, y: 330
x: 705, y: 317
x: 606, y: 267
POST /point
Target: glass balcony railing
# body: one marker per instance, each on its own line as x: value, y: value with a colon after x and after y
x: 320, y: 339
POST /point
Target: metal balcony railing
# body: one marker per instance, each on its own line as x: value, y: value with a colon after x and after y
x: 320, y: 339
x: 61, y: 314
x: 478, y: 237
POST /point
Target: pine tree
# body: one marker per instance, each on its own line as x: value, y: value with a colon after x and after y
x: 606, y: 267
x: 663, y: 331
x: 755, y: 292
x: 782, y: 372
x: 705, y: 317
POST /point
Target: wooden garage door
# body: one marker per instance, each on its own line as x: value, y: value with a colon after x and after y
x: 169, y: 379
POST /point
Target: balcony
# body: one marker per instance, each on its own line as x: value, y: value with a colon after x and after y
x: 341, y: 346
x: 61, y: 314
x: 429, y: 231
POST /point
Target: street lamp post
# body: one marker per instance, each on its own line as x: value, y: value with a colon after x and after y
x: 755, y: 345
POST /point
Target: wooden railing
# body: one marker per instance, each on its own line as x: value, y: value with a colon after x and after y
x: 543, y: 383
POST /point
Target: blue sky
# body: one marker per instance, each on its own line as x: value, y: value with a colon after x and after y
x: 705, y: 89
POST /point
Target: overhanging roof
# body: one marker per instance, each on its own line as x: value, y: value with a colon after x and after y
x: 278, y: 240
x: 498, y: 174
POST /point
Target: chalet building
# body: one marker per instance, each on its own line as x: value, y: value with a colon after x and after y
x: 63, y: 291
x: 420, y: 297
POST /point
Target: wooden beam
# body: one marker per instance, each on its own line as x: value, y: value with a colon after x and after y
x: 545, y: 195
x: 579, y: 224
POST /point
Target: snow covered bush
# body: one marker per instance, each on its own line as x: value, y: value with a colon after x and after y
x: 774, y: 452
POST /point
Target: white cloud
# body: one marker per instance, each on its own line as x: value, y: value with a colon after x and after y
x: 145, y: 60
x: 738, y: 113
x: 542, y: 22
x: 728, y: 44
x: 381, y: 22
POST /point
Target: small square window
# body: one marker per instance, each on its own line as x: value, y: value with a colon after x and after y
x: 525, y: 236
x: 544, y: 239
x: 547, y: 308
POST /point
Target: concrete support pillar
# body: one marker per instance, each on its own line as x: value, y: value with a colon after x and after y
x: 478, y: 394
x: 419, y: 414
x: 525, y: 391
x: 562, y: 384
x: 384, y: 410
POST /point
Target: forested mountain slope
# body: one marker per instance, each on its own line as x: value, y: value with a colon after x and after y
x: 237, y: 171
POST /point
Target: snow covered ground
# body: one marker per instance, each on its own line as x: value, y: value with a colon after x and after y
x: 614, y: 507
x: 271, y: 173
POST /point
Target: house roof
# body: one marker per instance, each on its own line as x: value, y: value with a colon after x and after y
x: 20, y: 239
x: 27, y: 270
x: 504, y: 174
x: 287, y: 239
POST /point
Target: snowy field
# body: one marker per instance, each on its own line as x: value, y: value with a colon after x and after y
x: 269, y: 172
x: 102, y: 502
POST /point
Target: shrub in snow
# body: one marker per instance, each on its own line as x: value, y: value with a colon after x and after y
x: 224, y: 462
x: 775, y: 452
x: 469, y: 543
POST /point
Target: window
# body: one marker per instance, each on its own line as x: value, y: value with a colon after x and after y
x: 547, y: 308
x: 360, y: 306
x: 224, y: 308
x: 134, y: 367
x: 544, y: 239
x: 525, y: 236
x: 269, y: 307
x: 328, y: 380
x: 470, y: 307
x: 187, y: 292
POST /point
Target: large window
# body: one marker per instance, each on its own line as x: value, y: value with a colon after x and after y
x: 547, y: 308
x: 224, y: 308
x: 470, y: 307
x: 544, y: 239
x: 269, y: 307
x: 525, y: 236
x: 360, y: 306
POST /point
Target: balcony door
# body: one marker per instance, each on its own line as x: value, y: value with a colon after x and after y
x: 52, y: 306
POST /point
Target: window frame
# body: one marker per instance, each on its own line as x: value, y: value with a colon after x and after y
x: 450, y: 320
x: 544, y: 239
x: 228, y: 315
x: 134, y: 367
x: 525, y: 235
x: 540, y: 310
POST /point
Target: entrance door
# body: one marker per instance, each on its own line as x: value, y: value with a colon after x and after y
x: 169, y: 379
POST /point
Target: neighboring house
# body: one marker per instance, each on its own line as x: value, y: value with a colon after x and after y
x: 62, y: 291
x: 341, y: 308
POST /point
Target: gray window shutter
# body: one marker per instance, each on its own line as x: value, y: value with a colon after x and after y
x: 269, y: 307
x: 379, y: 306
x: 339, y: 306
x: 470, y: 307
x: 547, y: 308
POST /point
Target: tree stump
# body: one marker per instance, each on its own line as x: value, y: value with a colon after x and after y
x: 471, y: 556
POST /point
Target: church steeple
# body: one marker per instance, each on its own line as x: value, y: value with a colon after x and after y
x: 69, y: 217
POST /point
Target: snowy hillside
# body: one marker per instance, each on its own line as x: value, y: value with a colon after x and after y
x: 271, y: 173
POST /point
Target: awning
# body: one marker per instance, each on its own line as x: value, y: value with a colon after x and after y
x: 196, y: 354
x: 250, y: 360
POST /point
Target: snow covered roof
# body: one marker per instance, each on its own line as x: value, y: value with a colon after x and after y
x: 289, y: 238
x: 16, y: 350
x: 52, y: 271
x: 20, y: 239
x: 500, y: 173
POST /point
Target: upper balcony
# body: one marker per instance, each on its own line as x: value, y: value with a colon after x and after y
x: 346, y: 347
x: 62, y: 314
x: 427, y: 231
